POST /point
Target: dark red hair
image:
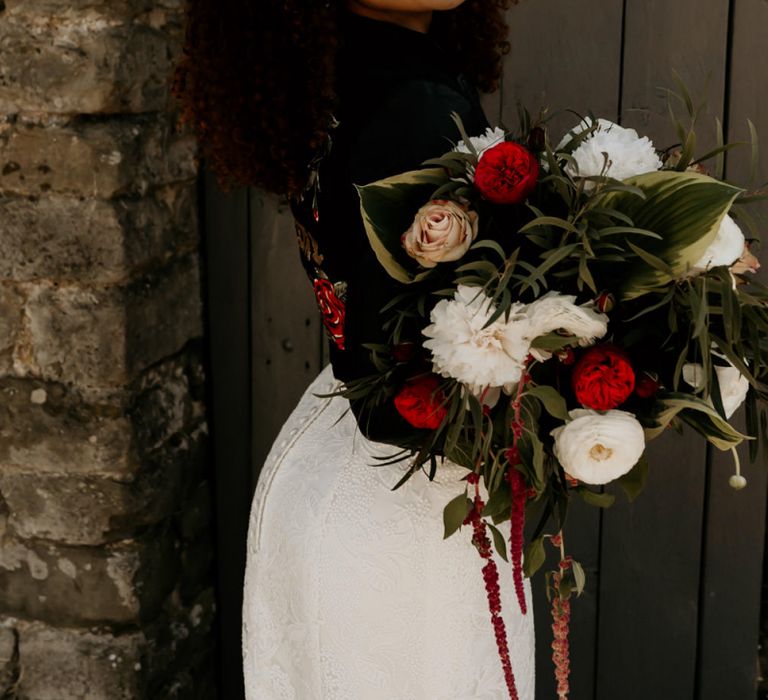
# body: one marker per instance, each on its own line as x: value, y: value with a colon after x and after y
x: 256, y: 79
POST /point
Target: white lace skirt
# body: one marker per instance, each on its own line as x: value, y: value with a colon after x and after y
x: 351, y: 593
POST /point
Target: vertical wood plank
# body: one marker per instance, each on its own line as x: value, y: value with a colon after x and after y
x: 649, y: 578
x: 688, y: 36
x: 564, y: 55
x: 733, y: 566
x: 748, y: 94
x: 285, y: 324
x: 228, y: 321
x: 731, y: 584
x: 651, y: 550
x: 558, y: 49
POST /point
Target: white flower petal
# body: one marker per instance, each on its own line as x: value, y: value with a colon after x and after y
x: 476, y: 356
x: 726, y: 249
x: 597, y: 448
x: 734, y: 386
x: 628, y: 153
x: 482, y: 143
x: 555, y: 311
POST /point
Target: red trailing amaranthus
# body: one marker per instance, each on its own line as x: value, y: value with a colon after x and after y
x: 492, y: 589
x: 519, y: 491
x: 517, y: 525
x: 561, y: 616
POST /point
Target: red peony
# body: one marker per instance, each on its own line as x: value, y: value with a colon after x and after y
x: 421, y: 402
x: 332, y: 309
x: 603, y: 378
x: 506, y: 173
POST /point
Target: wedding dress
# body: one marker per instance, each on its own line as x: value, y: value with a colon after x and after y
x: 351, y: 592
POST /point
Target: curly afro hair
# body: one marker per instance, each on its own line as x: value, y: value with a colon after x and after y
x: 256, y: 79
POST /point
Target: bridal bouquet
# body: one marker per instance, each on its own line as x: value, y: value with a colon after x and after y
x: 561, y: 306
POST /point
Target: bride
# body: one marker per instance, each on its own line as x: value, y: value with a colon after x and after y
x: 351, y: 592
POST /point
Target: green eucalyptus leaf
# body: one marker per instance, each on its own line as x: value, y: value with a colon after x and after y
x: 534, y: 557
x: 499, y: 503
x: 498, y: 541
x: 455, y: 513
x: 579, y: 577
x: 699, y: 414
x: 595, y: 498
x: 553, y: 341
x: 553, y: 402
x: 633, y: 482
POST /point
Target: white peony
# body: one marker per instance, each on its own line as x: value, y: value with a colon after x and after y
x: 482, y: 143
x: 463, y: 349
x: 598, y: 447
x: 734, y: 386
x: 558, y: 312
x: 726, y: 249
x: 628, y: 153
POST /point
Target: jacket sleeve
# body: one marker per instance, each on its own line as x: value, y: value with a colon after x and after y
x: 413, y: 126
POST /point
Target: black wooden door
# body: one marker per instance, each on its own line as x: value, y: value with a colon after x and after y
x: 672, y: 604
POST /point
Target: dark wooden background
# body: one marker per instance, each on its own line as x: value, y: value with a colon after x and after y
x: 672, y: 604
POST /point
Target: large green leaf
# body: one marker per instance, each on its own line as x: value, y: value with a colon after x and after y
x: 685, y: 209
x: 700, y: 415
x: 388, y: 208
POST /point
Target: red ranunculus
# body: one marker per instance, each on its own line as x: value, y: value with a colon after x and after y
x: 603, y: 378
x: 332, y: 309
x: 421, y: 402
x: 506, y: 173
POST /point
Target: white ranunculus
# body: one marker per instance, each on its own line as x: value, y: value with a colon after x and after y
x: 442, y: 231
x: 598, y: 447
x: 628, y: 153
x: 726, y: 249
x: 558, y: 312
x: 462, y: 349
x: 482, y: 143
x: 734, y: 386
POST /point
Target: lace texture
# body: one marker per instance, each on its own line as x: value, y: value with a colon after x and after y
x: 351, y: 593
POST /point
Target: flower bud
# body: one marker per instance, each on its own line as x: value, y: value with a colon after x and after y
x: 647, y: 385
x: 737, y: 482
x: 566, y: 356
x: 605, y: 302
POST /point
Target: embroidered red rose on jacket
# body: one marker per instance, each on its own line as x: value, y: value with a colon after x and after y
x: 603, y: 378
x: 422, y: 403
x: 332, y: 309
x: 506, y: 173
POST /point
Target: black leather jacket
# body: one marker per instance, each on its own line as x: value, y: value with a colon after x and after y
x: 396, y: 88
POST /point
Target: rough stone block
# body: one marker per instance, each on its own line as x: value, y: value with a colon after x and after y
x: 47, y: 427
x: 103, y: 158
x: 107, y: 336
x: 68, y: 238
x: 88, y: 509
x: 119, y: 584
x: 83, y: 509
x: 85, y: 60
x: 73, y: 664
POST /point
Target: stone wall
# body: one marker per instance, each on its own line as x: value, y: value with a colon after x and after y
x: 105, y: 549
